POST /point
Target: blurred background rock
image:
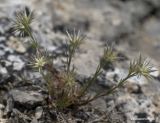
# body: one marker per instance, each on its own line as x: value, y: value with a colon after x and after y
x: 133, y: 26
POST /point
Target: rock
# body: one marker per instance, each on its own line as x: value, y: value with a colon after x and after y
x: 100, y: 104
x: 140, y: 117
x: 16, y: 44
x: 4, y: 74
x: 7, y: 63
x: 2, y: 39
x: 81, y: 23
x: 112, y: 20
x: 1, y: 111
x: 2, y: 107
x: 27, y: 99
x: 154, y: 3
x: 18, y: 64
x: 90, y: 4
x: 2, y: 50
x: 81, y: 115
x: 106, y: 81
x: 6, y: 79
x: 115, y: 117
x: 138, y: 80
x: 1, y: 115
x: 4, y: 25
x: 134, y: 106
x: 87, y: 60
x: 6, y: 49
x: 150, y: 36
x: 3, y: 70
x: 47, y: 43
x: 2, y: 53
x: 139, y: 12
x: 122, y: 73
x: 19, y: 117
x: 155, y: 72
x: 113, y: 75
x: 34, y: 121
x: 10, y: 105
x: 38, y: 113
x: 2, y: 119
x: 133, y: 88
x: 151, y: 26
x: 113, y: 23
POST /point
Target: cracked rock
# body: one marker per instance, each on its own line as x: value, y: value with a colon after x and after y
x: 28, y: 99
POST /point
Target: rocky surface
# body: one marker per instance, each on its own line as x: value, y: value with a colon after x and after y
x: 133, y: 26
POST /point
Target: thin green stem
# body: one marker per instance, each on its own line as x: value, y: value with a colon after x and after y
x: 110, y: 91
x: 71, y: 52
x: 91, y: 81
x: 34, y: 42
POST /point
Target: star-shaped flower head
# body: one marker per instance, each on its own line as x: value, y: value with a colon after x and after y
x: 109, y: 56
x: 39, y: 60
x: 141, y: 67
x: 21, y: 24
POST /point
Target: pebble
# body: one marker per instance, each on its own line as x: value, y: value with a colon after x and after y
x: 16, y: 45
x: 18, y: 64
x: 99, y: 104
x: 28, y: 99
x: 3, y: 70
x: 38, y: 113
x: 155, y: 73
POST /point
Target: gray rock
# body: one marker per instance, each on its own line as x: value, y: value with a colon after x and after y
x: 2, y: 53
x: 112, y: 23
x: 76, y: 22
x: 2, y: 107
x: 4, y: 74
x: 3, y: 70
x: 154, y: 3
x: 38, y: 113
x: 3, y: 120
x: 4, y: 25
x: 139, y: 12
x: 2, y: 50
x: 34, y: 120
x: 133, y: 88
x: 16, y: 45
x: 2, y: 39
x: 133, y: 107
x: 151, y: 26
x: 1, y: 112
x: 10, y: 105
x: 87, y: 60
x: 96, y: 4
x: 19, y: 117
x: 156, y: 72
x: 28, y: 99
x: 151, y: 38
x: 99, y: 104
x: 6, y: 49
x: 18, y: 64
x: 101, y: 20
x: 7, y: 63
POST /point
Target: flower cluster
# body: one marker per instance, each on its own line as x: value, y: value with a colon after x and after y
x: 23, y: 22
x: 63, y: 89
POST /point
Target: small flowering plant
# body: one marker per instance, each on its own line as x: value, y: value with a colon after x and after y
x: 63, y: 90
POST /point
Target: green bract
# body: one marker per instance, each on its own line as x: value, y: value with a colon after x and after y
x: 23, y: 22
